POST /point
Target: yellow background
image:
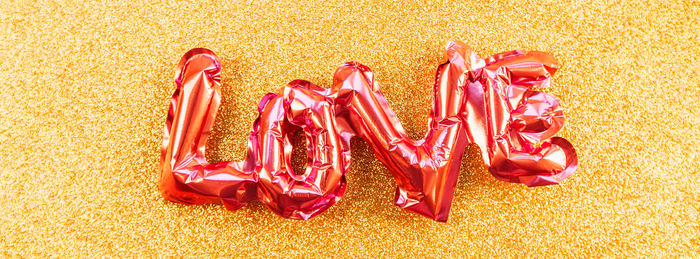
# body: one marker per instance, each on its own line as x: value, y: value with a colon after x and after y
x: 85, y: 87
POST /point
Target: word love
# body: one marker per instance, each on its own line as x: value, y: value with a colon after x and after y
x: 489, y: 102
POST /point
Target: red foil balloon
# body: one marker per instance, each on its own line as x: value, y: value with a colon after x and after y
x: 488, y: 102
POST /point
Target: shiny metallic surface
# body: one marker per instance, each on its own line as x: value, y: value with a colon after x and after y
x: 489, y: 102
x: 512, y: 123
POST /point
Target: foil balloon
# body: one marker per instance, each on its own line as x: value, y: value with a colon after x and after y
x: 489, y: 102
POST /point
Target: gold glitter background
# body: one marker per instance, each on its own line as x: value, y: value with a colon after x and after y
x: 85, y: 88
